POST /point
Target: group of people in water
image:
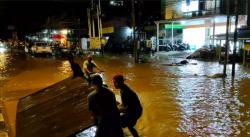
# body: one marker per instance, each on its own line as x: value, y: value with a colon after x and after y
x: 109, y: 115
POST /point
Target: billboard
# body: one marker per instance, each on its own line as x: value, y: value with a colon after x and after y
x: 108, y: 30
x: 95, y: 43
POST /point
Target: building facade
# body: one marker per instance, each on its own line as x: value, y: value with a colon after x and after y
x: 196, y: 22
x: 172, y: 9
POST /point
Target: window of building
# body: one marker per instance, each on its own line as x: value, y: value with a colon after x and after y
x: 190, y: 6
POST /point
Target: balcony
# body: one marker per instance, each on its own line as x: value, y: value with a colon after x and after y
x: 201, y: 13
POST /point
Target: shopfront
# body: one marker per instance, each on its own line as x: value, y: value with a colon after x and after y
x: 196, y: 32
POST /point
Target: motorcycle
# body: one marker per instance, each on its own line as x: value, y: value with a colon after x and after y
x: 100, y: 73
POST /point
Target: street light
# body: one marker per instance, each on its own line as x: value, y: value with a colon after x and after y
x: 111, y: 2
x: 129, y: 31
x: 64, y: 31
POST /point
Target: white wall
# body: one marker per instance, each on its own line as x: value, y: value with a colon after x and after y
x: 195, y: 37
x: 84, y: 43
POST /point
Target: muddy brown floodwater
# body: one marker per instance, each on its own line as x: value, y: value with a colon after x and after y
x: 178, y: 101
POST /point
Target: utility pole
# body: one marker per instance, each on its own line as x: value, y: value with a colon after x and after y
x: 235, y: 36
x: 92, y: 18
x: 100, y: 14
x: 133, y: 28
x: 89, y: 23
x: 98, y: 23
x: 227, y: 40
x: 248, y: 12
x: 214, y: 23
x: 139, y: 27
x: 157, y: 36
x: 95, y: 23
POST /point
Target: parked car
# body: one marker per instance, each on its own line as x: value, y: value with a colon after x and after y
x: 64, y: 50
x: 41, y: 48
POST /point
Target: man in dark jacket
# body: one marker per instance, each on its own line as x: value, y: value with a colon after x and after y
x: 77, y: 71
x: 131, y: 109
x: 102, y: 105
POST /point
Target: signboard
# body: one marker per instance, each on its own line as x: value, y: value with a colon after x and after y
x: 95, y: 43
x: 149, y: 44
x: 242, y: 20
x: 108, y: 30
x: 174, y: 26
x: 169, y: 12
x: 247, y: 46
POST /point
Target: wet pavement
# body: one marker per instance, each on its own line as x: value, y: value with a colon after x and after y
x: 177, y: 100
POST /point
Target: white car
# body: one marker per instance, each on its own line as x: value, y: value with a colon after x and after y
x: 41, y: 48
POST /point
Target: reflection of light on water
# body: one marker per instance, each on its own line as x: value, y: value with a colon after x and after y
x: 209, y: 108
x: 3, y: 63
x: 130, y: 65
x: 195, y: 105
x: 201, y: 69
x: 3, y: 58
x: 65, y: 68
x: 90, y: 132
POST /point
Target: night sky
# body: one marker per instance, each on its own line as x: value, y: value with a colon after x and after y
x: 30, y: 15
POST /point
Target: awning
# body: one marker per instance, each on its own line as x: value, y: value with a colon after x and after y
x: 58, y: 36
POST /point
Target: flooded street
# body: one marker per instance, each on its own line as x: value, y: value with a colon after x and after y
x: 178, y: 100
